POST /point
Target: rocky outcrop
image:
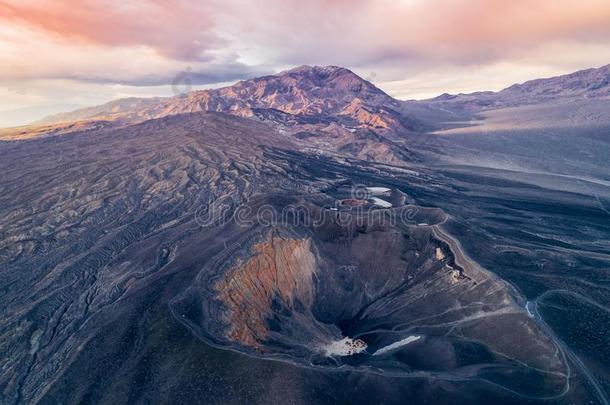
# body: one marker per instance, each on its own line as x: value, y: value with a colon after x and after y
x: 279, y: 268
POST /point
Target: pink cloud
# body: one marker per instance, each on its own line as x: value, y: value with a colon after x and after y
x: 148, y: 42
x: 461, y: 31
x: 293, y: 31
x: 177, y: 29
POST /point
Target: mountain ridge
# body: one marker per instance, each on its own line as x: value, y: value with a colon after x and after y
x: 327, y: 108
x: 305, y: 90
x: 331, y: 109
x: 581, y: 84
x: 310, y: 90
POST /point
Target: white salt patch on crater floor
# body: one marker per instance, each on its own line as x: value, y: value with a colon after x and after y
x: 377, y: 190
x: 396, y: 345
x: 381, y: 203
x: 344, y: 347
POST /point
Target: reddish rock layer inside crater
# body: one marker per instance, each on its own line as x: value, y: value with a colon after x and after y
x: 278, y: 268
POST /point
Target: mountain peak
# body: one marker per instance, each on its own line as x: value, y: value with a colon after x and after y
x: 315, y: 69
x: 329, y: 76
x: 305, y: 90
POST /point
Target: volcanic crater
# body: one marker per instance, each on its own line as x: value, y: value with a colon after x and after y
x: 360, y: 290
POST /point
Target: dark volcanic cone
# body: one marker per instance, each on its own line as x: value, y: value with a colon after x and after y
x: 363, y: 290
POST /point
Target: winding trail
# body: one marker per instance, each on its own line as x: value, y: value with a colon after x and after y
x: 532, y: 309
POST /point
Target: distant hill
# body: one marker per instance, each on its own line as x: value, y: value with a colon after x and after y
x: 23, y: 116
x: 581, y: 85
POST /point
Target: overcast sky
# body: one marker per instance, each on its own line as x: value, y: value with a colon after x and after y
x: 63, y: 53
